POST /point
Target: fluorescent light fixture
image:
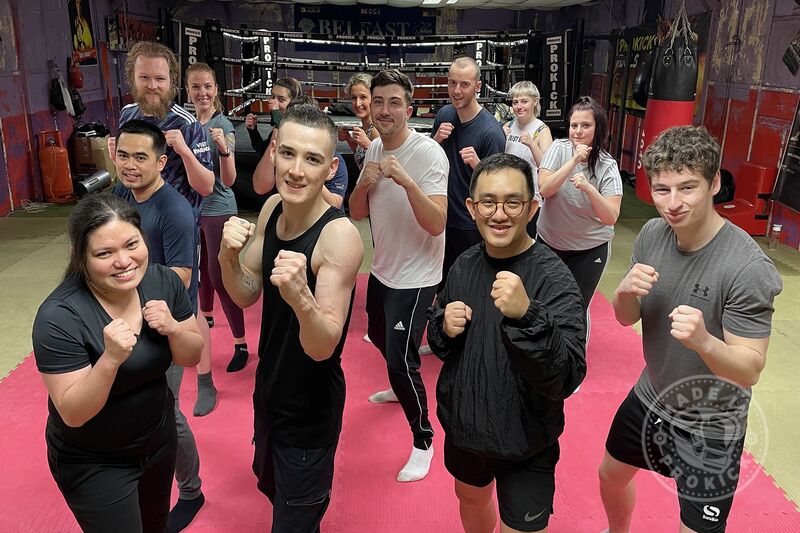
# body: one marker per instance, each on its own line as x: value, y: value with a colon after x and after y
x: 452, y: 1
x: 431, y: 2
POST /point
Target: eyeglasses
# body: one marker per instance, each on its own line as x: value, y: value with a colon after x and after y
x: 512, y: 208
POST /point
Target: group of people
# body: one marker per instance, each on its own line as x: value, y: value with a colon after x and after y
x: 457, y: 253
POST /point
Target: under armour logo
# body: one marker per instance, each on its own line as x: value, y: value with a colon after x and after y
x: 698, y: 290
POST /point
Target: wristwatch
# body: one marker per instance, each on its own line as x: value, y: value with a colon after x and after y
x: 225, y: 154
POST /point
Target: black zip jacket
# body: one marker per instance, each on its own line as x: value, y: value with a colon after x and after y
x: 502, y: 387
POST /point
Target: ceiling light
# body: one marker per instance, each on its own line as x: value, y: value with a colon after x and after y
x: 431, y: 2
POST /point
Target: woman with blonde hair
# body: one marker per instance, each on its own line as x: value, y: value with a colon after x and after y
x: 219, y: 206
x: 357, y: 89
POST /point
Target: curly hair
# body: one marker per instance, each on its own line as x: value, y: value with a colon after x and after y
x: 682, y: 148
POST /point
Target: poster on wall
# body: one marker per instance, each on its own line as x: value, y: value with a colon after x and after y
x: 641, y: 41
x: 84, y: 51
x: 192, y: 50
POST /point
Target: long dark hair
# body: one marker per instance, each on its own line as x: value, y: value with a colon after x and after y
x: 91, y: 213
x: 600, y: 141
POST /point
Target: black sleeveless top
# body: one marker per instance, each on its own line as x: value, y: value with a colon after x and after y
x: 300, y: 399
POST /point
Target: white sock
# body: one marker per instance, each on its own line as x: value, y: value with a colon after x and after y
x: 384, y: 396
x: 366, y: 338
x: 417, y: 466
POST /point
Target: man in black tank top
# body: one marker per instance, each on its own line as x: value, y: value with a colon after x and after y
x: 305, y: 256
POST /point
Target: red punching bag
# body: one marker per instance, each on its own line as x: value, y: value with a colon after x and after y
x: 672, y: 92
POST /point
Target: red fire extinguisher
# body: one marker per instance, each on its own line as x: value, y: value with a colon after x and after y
x: 54, y: 164
x: 75, y: 75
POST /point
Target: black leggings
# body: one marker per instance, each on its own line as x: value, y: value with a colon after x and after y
x: 587, y: 266
x: 124, y: 497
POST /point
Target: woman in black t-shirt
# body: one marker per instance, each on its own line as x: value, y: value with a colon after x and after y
x: 103, y: 341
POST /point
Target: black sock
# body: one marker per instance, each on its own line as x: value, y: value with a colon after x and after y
x: 183, y: 513
x: 210, y: 320
x: 239, y: 360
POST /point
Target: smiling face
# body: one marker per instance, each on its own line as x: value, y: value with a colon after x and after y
x: 302, y: 162
x: 360, y: 98
x: 505, y: 236
x: 116, y: 258
x: 523, y: 107
x: 390, y: 112
x: 282, y: 96
x: 684, y: 199
x: 462, y: 86
x: 202, y: 90
x: 138, y: 166
x: 153, y: 88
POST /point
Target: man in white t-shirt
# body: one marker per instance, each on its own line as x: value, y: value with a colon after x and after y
x: 403, y: 189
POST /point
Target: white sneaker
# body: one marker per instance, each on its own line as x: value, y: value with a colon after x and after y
x: 418, y: 465
x: 384, y: 396
x: 425, y: 350
x: 367, y: 339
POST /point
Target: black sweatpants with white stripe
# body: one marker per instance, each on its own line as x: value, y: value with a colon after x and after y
x: 396, y: 322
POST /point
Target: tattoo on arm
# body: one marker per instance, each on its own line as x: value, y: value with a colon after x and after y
x: 249, y: 282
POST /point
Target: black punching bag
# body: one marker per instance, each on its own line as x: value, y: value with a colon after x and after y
x: 672, y: 91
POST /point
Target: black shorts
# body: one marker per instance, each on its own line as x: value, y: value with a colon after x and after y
x: 525, y: 488
x: 705, y: 470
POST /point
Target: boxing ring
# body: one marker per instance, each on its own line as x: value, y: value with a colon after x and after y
x: 248, y: 61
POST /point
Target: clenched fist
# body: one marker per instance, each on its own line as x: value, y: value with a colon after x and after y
x: 638, y: 281
x: 370, y: 174
x: 235, y: 234
x: 218, y: 138
x: 289, y: 275
x: 391, y: 168
x: 580, y: 182
x: 177, y: 142
x: 689, y: 327
x: 158, y: 317
x: 250, y: 121
x: 119, y: 340
x: 470, y: 157
x: 509, y: 295
x: 444, y: 131
x: 456, y: 317
x: 361, y: 138
x: 581, y: 154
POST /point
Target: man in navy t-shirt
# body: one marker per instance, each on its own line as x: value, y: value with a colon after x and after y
x: 467, y: 132
x: 169, y: 225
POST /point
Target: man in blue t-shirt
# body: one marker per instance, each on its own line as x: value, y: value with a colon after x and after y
x: 168, y: 224
x: 467, y: 132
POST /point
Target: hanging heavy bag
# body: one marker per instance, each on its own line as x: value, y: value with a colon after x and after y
x: 641, y: 83
x: 675, y: 69
x: 672, y: 91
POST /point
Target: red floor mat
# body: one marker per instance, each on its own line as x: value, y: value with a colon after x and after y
x: 374, y: 445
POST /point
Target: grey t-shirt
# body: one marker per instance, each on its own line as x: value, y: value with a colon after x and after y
x: 734, y: 284
x: 567, y: 220
x: 221, y: 201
